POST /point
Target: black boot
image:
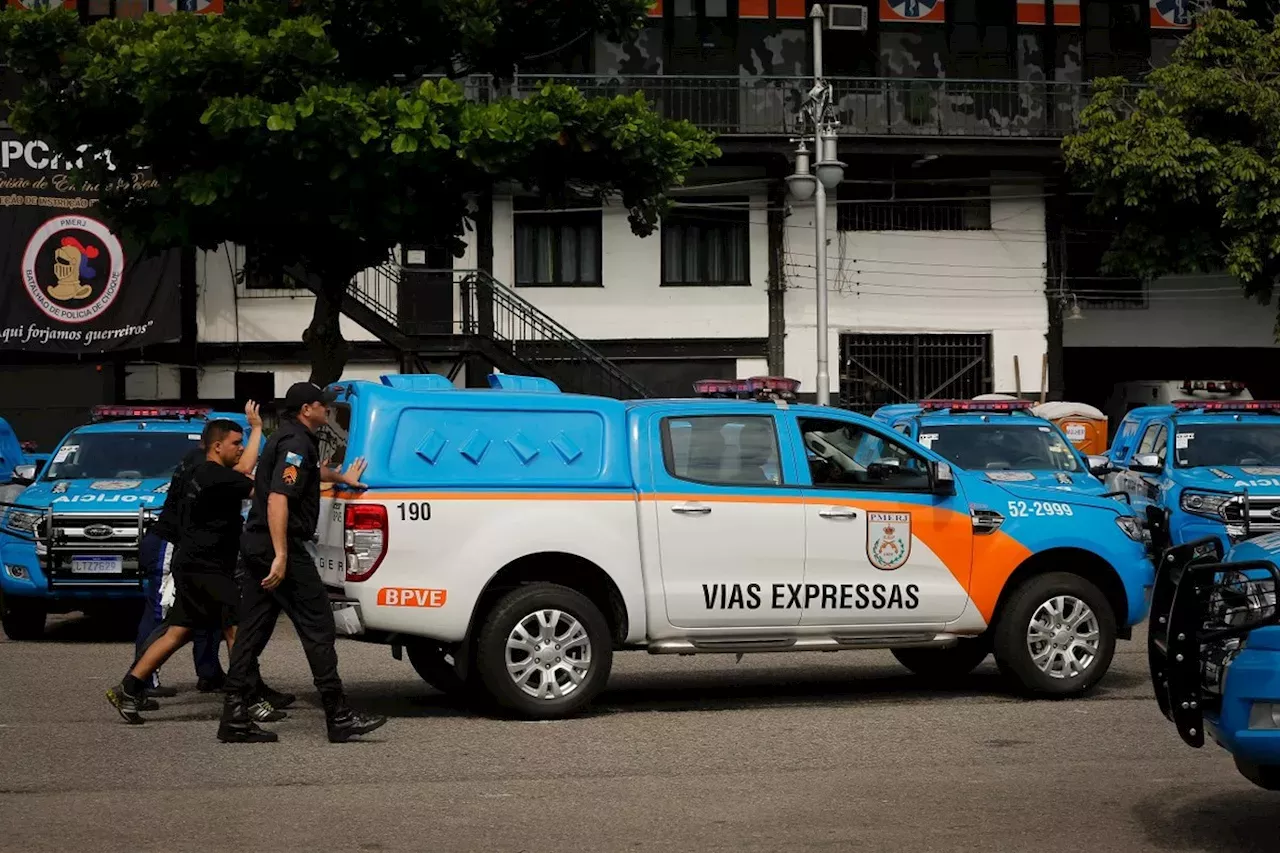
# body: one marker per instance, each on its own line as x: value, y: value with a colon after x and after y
x: 345, y: 723
x: 238, y: 727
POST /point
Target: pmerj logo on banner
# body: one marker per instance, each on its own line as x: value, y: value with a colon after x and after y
x: 72, y: 268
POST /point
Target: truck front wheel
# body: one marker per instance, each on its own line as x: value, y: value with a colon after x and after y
x: 948, y: 663
x: 544, y: 651
x: 1055, y: 636
x: 22, y: 618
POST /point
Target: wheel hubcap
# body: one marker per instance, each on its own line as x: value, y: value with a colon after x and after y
x: 1063, y: 637
x: 548, y: 654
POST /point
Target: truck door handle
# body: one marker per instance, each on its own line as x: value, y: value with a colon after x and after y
x: 837, y: 512
x: 691, y: 509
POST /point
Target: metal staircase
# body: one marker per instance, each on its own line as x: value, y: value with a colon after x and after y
x: 489, y: 321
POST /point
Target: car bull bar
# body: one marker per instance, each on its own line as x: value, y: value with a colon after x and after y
x: 89, y: 550
x: 1198, y: 604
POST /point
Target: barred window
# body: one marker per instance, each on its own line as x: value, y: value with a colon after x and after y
x: 902, y: 206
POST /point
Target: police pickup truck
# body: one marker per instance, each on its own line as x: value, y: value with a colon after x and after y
x: 999, y: 439
x: 69, y: 540
x: 511, y: 539
x: 1214, y: 649
x: 1212, y: 468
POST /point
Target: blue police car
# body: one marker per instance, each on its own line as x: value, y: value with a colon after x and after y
x: 1000, y: 439
x: 69, y: 540
x: 1214, y: 649
x: 1212, y: 468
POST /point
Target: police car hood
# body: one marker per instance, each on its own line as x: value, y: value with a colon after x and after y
x: 1258, y: 479
x: 1059, y: 481
x: 88, y: 495
x: 1033, y: 492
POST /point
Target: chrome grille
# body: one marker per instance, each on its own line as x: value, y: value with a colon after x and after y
x: 1263, y: 515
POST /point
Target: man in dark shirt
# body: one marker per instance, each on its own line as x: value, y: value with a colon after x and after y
x: 156, y: 556
x: 207, y: 597
x: 280, y: 575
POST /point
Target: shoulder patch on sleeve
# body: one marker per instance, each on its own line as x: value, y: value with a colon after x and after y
x: 292, y: 458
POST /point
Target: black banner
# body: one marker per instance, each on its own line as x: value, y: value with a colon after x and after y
x: 69, y: 283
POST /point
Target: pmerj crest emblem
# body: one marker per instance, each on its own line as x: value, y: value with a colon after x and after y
x: 888, y: 539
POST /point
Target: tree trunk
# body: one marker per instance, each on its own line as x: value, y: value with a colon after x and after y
x: 323, y: 337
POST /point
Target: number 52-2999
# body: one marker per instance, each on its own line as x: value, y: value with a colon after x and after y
x: 1027, y: 509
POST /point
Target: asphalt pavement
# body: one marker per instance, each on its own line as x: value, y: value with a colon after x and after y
x: 841, y: 751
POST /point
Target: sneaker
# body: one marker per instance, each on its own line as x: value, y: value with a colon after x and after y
x: 237, y: 726
x: 128, y: 705
x: 345, y: 723
x: 262, y: 712
x: 278, y: 700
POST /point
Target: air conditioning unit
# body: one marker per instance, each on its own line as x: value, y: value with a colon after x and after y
x: 844, y: 17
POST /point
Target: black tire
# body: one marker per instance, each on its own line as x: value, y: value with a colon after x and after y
x: 23, y: 618
x: 1013, y: 654
x: 501, y: 621
x: 428, y: 660
x: 1263, y: 775
x: 947, y: 664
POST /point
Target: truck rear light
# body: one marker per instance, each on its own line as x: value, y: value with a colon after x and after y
x: 364, y: 537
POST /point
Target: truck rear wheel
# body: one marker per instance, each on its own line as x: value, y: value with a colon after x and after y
x: 22, y: 618
x: 544, y: 651
x: 948, y: 663
x: 1055, y: 636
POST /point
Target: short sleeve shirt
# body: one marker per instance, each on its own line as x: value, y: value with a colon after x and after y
x: 168, y: 526
x: 211, y: 521
x: 289, y: 466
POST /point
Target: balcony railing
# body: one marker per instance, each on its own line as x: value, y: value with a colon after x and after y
x: 884, y: 107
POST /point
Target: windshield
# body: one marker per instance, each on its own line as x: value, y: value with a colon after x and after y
x: 991, y: 447
x: 1206, y: 445
x: 134, y: 455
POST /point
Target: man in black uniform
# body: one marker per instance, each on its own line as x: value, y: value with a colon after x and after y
x: 281, y: 575
x: 204, y: 566
x: 156, y: 552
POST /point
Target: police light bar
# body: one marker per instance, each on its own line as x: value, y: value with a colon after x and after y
x: 734, y: 388
x: 1228, y: 405
x: 977, y: 405
x: 104, y: 413
x: 755, y: 388
x: 1214, y: 386
x: 766, y: 387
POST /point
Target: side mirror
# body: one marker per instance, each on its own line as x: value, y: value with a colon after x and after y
x: 1146, y: 463
x: 24, y: 475
x: 942, y: 480
x: 1099, y: 465
x: 883, y: 469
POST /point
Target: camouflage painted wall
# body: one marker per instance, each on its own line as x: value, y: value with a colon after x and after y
x: 916, y: 52
x: 1030, y: 48
x: 1069, y: 58
x: 644, y: 56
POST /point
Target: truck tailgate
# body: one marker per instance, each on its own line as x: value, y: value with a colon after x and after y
x: 330, y: 555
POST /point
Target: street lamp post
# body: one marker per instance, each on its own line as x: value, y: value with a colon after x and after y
x: 805, y: 185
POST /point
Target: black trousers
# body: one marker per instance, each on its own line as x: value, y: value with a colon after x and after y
x: 303, y: 598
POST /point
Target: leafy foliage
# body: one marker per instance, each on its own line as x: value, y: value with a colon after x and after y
x: 1187, y: 168
x: 309, y: 131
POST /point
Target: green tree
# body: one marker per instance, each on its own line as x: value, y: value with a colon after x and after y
x: 323, y: 133
x: 1187, y: 167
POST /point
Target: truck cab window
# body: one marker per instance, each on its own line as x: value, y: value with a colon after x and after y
x: 333, y: 435
x: 842, y: 455
x: 1153, y: 441
x: 727, y: 451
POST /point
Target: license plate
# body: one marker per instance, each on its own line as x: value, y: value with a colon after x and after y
x: 97, y: 565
